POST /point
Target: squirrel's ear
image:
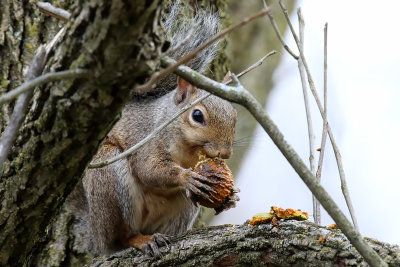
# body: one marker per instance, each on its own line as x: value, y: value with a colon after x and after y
x: 183, y: 92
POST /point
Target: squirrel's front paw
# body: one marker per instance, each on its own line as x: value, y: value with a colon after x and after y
x: 199, y: 185
x: 230, y: 201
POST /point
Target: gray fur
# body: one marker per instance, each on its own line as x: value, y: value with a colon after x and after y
x: 146, y: 193
x: 203, y: 26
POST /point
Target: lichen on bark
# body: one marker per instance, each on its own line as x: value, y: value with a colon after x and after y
x: 69, y: 119
x: 291, y: 243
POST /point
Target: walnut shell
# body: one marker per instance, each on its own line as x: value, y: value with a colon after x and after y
x: 221, y: 180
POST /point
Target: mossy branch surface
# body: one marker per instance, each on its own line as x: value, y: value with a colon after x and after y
x: 291, y: 243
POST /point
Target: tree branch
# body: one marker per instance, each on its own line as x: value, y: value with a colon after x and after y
x: 167, y: 122
x: 240, y: 95
x: 311, y: 135
x: 338, y: 156
x: 292, y: 243
x: 21, y: 106
x: 149, y: 85
x: 53, y: 11
x: 45, y: 78
x: 278, y: 34
x: 325, y: 117
x: 149, y: 137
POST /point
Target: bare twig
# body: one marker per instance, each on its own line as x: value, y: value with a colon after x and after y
x: 338, y: 156
x: 53, y: 11
x: 325, y: 121
x: 161, y: 127
x: 258, y: 63
x: 273, y: 23
x: 149, y: 137
x: 157, y: 76
x: 45, y: 78
x: 240, y: 95
x: 21, y: 106
x: 311, y: 136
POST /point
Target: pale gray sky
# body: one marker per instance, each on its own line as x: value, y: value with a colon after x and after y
x: 363, y: 110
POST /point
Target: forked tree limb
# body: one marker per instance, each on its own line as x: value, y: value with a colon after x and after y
x: 153, y: 134
x: 335, y: 147
x: 240, y: 95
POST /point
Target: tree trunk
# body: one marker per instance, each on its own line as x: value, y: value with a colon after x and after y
x: 120, y: 43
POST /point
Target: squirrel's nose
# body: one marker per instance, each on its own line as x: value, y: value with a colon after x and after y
x: 223, y: 153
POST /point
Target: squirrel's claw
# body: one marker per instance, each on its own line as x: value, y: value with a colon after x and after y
x: 197, y: 191
x: 161, y: 240
x: 235, y: 190
x: 203, y: 179
x: 199, y: 183
x: 152, y: 250
x: 158, y: 240
x: 230, y: 201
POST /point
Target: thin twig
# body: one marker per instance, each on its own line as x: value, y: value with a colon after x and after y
x: 21, y: 106
x: 240, y: 95
x: 45, y: 78
x: 53, y: 11
x: 338, y: 156
x: 149, y: 137
x: 161, y: 127
x: 156, y: 77
x: 258, y: 63
x: 253, y: 66
x: 273, y: 23
x: 311, y: 135
x: 324, y: 129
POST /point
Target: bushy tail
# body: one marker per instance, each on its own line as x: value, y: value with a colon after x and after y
x: 186, y: 34
x: 201, y: 27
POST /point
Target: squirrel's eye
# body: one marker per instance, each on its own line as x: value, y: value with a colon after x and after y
x: 197, y: 116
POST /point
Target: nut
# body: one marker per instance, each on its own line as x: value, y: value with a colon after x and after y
x: 221, y: 180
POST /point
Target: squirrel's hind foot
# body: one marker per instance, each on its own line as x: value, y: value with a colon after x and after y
x: 149, y: 244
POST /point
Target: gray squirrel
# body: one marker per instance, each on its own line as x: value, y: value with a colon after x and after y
x: 142, y: 199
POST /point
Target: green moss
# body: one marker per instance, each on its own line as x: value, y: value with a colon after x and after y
x: 4, y: 83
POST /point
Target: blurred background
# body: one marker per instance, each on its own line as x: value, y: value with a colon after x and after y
x: 363, y: 111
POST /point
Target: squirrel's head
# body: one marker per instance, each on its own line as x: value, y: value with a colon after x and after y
x: 208, y: 127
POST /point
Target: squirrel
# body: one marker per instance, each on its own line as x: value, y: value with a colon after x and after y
x: 142, y: 199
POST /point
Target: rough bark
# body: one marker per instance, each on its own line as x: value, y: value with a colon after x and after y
x: 119, y: 42
x: 292, y: 243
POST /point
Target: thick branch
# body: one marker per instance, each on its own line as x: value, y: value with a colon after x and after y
x: 292, y: 243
